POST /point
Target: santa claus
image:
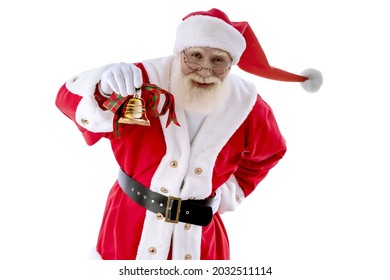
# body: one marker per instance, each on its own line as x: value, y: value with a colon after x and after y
x: 175, y: 179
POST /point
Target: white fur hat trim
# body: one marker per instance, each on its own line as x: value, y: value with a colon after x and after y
x: 207, y: 31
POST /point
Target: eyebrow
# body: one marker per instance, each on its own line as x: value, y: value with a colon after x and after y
x: 194, y: 49
x: 222, y: 53
x: 215, y: 52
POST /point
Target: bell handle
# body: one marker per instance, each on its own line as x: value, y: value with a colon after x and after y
x: 137, y: 93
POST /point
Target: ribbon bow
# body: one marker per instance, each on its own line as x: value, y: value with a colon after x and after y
x: 116, y: 101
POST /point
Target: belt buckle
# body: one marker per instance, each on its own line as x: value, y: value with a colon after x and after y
x: 168, y: 209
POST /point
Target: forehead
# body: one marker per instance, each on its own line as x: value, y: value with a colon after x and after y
x: 208, y: 51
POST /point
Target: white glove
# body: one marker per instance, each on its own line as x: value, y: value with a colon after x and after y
x: 216, y: 200
x: 121, y: 78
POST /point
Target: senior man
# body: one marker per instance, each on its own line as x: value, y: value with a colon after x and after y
x: 211, y: 142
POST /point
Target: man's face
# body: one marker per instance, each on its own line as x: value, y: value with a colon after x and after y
x: 200, y: 80
x: 205, y: 65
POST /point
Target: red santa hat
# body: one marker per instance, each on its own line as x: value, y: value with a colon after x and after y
x: 214, y: 29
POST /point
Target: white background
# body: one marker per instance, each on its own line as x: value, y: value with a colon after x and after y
x: 323, y: 211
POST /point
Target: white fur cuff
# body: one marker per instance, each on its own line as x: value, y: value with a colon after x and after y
x: 88, y: 113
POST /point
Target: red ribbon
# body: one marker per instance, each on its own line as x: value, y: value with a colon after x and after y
x: 116, y: 101
x: 154, y: 99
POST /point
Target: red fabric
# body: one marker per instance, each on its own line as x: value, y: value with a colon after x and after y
x: 253, y: 60
x: 100, y: 98
x: 252, y: 151
x: 211, y: 13
x: 249, y: 154
x: 67, y: 102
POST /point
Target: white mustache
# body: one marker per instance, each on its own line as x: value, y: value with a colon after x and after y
x: 206, y: 80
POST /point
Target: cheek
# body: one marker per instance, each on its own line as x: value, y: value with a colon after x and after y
x: 185, y: 70
x: 222, y: 77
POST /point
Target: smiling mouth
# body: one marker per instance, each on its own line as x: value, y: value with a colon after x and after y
x: 203, y: 85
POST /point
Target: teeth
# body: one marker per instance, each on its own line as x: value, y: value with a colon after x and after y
x: 203, y: 80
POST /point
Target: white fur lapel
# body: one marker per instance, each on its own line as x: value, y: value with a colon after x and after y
x: 201, y: 155
x: 216, y: 130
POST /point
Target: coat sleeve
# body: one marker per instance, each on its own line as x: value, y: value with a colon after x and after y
x: 76, y: 99
x: 264, y: 147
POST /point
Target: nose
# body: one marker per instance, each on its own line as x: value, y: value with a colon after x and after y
x: 205, y: 72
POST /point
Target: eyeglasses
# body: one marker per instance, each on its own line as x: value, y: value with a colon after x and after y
x: 220, y: 68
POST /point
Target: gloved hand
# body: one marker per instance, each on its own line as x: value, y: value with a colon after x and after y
x: 216, y: 200
x: 121, y: 78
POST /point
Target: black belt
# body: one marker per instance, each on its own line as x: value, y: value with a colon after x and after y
x: 174, y: 209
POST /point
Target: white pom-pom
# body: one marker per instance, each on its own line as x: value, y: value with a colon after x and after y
x: 314, y: 81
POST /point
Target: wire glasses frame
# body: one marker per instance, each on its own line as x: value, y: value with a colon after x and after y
x: 216, y: 70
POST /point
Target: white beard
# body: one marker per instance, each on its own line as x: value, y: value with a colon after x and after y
x: 202, y: 101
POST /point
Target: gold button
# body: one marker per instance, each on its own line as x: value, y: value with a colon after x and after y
x: 159, y: 216
x: 188, y: 257
x: 198, y: 170
x: 164, y: 190
x: 84, y: 121
x: 237, y: 198
x: 174, y: 163
x: 152, y: 251
x: 187, y: 226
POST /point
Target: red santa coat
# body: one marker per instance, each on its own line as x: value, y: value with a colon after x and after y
x: 233, y: 151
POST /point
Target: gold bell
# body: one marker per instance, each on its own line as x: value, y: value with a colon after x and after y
x: 135, y: 112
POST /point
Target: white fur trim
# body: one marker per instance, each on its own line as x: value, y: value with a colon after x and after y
x: 177, y: 148
x: 94, y: 255
x: 88, y: 113
x: 157, y: 234
x: 314, y: 82
x: 207, y: 31
x: 202, y: 153
x: 186, y: 241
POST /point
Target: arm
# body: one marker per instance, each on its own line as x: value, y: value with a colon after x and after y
x: 81, y: 99
x: 265, y: 146
x: 68, y: 102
